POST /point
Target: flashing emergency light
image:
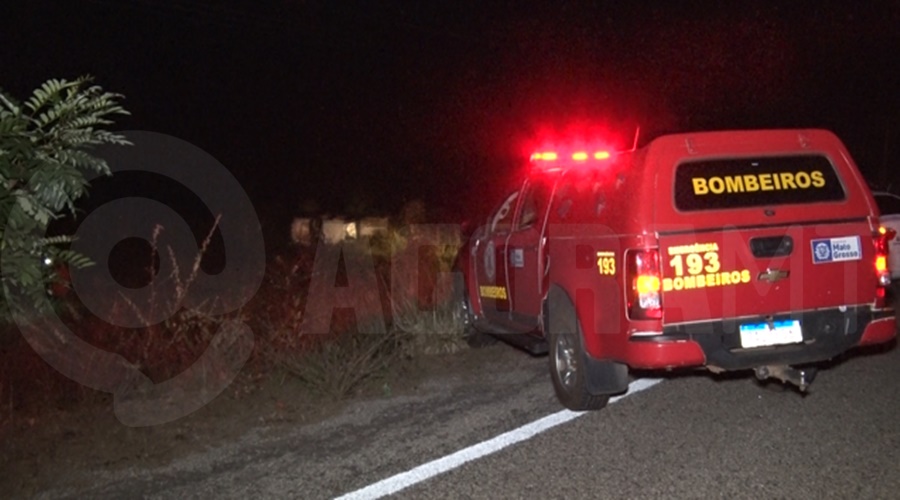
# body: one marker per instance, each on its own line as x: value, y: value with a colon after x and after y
x: 555, y: 155
x: 579, y: 156
x: 544, y: 156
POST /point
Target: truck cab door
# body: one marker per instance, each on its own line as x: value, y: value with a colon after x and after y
x: 490, y: 263
x: 526, y: 260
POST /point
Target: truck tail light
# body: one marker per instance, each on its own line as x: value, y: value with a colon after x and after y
x: 645, y: 299
x: 882, y: 245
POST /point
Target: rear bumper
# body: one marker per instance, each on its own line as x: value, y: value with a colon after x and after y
x: 826, y: 334
x: 879, y: 331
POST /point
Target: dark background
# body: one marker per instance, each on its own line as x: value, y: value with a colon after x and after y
x: 360, y: 107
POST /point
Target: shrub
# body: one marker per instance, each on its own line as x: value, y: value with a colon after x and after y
x: 44, y: 154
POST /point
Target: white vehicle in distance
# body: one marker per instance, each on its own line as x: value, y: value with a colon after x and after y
x: 889, y: 206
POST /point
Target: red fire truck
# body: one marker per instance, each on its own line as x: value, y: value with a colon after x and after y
x: 730, y: 250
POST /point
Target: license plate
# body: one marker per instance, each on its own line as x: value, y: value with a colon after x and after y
x: 777, y: 333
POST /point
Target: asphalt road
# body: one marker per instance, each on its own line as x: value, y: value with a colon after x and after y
x: 690, y: 436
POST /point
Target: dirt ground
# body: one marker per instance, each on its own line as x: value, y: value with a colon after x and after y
x: 55, y: 446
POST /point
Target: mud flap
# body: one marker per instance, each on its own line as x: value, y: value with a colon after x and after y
x: 605, y: 377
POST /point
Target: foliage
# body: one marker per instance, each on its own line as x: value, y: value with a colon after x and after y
x: 411, y: 265
x: 44, y: 155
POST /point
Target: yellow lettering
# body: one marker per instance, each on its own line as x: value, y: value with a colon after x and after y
x: 606, y: 263
x: 818, y: 179
x: 734, y: 184
x: 787, y: 180
x: 676, y: 264
x: 700, y: 186
x: 710, y: 280
x: 694, y: 248
x: 772, y: 181
x: 694, y: 263
x: 750, y: 183
x: 712, y: 259
x: 700, y: 268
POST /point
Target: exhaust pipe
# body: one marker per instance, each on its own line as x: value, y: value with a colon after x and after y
x: 788, y: 375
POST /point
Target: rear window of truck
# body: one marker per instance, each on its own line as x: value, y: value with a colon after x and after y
x: 756, y: 181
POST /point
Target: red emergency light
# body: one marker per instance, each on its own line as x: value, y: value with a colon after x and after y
x: 577, y: 156
x: 575, y: 150
x: 544, y: 156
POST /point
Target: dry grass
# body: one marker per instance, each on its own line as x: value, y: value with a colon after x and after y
x: 325, y: 349
x: 412, y: 299
x: 341, y: 366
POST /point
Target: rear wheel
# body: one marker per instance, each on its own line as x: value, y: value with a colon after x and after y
x: 568, y: 362
x: 463, y: 315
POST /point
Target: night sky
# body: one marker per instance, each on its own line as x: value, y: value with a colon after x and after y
x: 363, y: 106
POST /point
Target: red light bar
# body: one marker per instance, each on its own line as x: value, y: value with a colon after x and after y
x: 578, y: 156
x: 544, y: 156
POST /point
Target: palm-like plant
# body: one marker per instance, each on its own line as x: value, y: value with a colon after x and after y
x: 45, y: 145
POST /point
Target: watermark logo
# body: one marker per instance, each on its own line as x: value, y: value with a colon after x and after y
x: 138, y: 401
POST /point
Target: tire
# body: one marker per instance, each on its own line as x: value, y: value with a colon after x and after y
x: 568, y: 361
x: 463, y: 315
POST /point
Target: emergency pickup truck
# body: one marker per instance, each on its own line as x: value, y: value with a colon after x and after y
x: 731, y: 250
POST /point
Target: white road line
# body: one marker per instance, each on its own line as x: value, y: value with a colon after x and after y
x: 428, y: 470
